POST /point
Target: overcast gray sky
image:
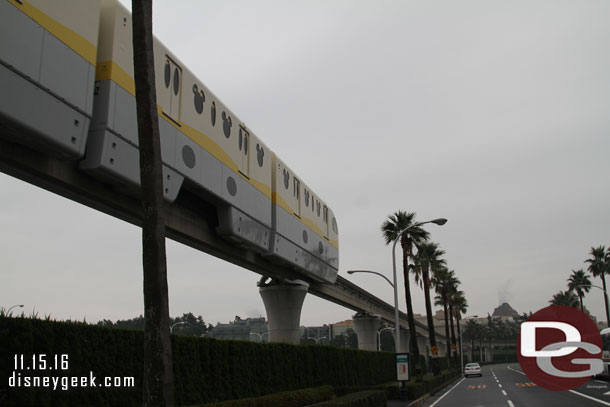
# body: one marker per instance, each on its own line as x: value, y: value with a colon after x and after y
x: 493, y: 114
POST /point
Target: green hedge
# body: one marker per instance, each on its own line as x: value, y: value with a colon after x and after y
x: 205, y: 370
x: 295, y: 398
x: 367, y: 398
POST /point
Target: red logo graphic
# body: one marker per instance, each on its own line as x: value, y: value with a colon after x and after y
x: 559, y: 348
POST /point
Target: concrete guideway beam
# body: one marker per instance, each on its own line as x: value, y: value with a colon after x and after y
x: 283, y: 303
x: 367, y: 326
x: 188, y: 221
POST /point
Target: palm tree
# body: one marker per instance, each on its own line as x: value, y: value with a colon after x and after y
x: 443, y: 279
x: 457, y: 306
x: 599, y: 265
x: 391, y: 228
x: 580, y: 283
x: 473, y: 331
x: 567, y: 298
x: 427, y: 261
x: 158, y: 379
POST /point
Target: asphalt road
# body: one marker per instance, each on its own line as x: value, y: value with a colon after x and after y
x: 506, y: 385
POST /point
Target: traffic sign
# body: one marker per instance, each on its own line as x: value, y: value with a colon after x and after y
x: 402, y: 367
x: 434, y: 350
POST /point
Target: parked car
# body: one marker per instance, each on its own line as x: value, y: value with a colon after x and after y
x: 472, y: 369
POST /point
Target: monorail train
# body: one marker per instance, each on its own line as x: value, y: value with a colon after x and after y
x: 66, y: 74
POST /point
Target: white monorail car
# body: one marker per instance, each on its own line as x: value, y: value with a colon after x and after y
x: 73, y: 94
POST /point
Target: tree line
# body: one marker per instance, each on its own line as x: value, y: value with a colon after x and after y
x: 579, y: 282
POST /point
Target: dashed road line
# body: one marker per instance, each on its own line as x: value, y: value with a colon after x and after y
x: 510, y: 403
x: 503, y: 392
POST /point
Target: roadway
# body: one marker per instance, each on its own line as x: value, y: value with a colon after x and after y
x: 505, y: 385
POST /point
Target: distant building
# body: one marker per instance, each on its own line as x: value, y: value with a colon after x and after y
x: 249, y: 329
x: 504, y: 312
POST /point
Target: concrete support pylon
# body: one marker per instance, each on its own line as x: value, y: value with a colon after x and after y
x: 366, y: 326
x: 283, y: 303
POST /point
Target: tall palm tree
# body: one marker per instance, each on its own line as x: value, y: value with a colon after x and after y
x: 580, y: 283
x: 457, y: 307
x: 567, y: 298
x: 427, y: 260
x: 391, y: 228
x: 443, y: 279
x: 599, y: 265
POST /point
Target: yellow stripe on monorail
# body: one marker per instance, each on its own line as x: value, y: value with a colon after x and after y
x: 72, y: 39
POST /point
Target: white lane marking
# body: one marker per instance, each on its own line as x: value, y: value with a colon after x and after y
x: 601, y: 381
x: 572, y: 391
x: 606, y: 393
x: 590, y: 398
x: 503, y: 392
x: 510, y: 403
x: 500, y: 385
x: 447, y: 392
x: 518, y: 371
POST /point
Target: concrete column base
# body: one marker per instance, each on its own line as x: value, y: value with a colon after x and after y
x: 366, y: 329
x: 283, y: 303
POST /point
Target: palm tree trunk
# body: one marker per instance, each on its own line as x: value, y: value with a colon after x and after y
x: 413, y: 348
x: 580, y: 300
x: 431, y: 331
x: 446, y: 326
x: 158, y: 380
x: 459, y: 330
x: 605, y: 298
x: 453, y: 331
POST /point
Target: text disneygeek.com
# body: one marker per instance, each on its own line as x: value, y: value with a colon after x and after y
x: 28, y: 373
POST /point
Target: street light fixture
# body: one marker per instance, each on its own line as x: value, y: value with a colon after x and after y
x: 14, y: 306
x: 171, y: 328
x: 379, y: 336
x: 316, y: 339
x: 260, y: 336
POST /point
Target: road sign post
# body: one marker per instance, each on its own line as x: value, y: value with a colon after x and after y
x: 402, y: 373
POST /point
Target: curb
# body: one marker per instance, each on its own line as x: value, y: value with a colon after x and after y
x: 420, y: 401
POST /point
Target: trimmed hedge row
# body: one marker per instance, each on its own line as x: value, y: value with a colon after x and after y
x: 205, y: 370
x: 295, y: 398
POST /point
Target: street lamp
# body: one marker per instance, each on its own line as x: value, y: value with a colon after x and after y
x: 461, y: 346
x: 260, y: 336
x: 440, y: 222
x: 379, y: 336
x: 171, y: 328
x: 14, y: 306
x: 316, y: 339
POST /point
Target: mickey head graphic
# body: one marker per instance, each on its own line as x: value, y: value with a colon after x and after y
x: 260, y: 153
x: 226, y: 124
x: 199, y: 99
x: 306, y: 198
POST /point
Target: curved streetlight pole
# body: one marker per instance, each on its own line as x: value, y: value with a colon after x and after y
x: 260, y: 336
x: 316, y: 339
x: 171, y: 328
x: 14, y: 306
x: 379, y: 336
